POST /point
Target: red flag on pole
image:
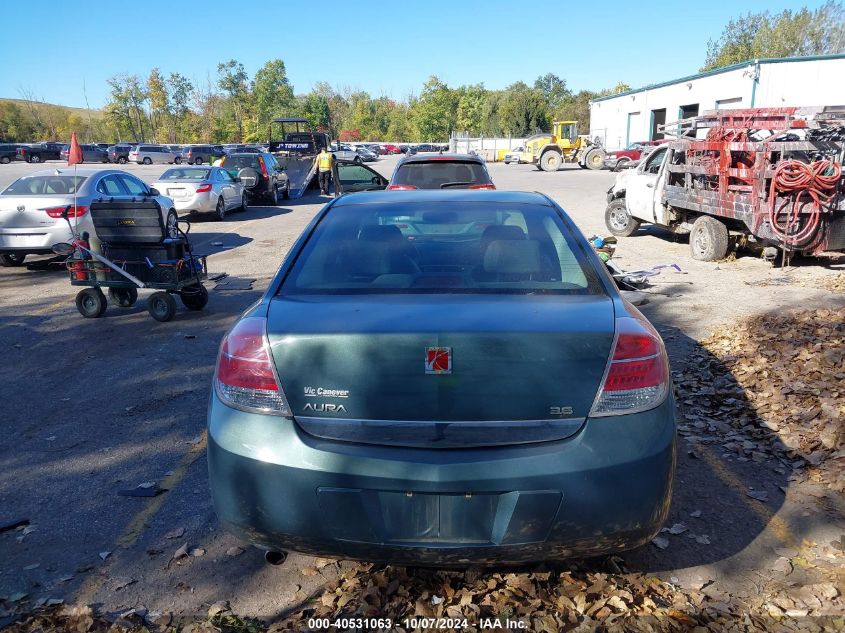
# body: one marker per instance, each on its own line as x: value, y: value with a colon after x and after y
x: 74, y: 154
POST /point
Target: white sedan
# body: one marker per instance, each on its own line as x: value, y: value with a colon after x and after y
x: 203, y: 190
x: 513, y: 156
x: 31, y: 208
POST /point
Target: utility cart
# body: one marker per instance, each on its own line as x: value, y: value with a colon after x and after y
x: 136, y: 253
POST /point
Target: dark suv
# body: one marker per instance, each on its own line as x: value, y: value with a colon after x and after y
x: 441, y: 171
x: 8, y: 152
x: 199, y: 154
x: 119, y: 153
x: 260, y: 174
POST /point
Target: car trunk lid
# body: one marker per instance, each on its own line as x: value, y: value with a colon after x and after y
x: 441, y: 370
x: 19, y: 213
x: 179, y: 189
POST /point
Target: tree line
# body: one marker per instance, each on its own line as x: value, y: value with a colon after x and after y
x: 231, y: 106
x: 234, y: 107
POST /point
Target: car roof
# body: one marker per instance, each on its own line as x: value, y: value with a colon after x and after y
x: 80, y: 171
x: 426, y: 157
x: 440, y: 195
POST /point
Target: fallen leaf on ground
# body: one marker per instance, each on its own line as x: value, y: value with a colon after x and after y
x: 661, y: 542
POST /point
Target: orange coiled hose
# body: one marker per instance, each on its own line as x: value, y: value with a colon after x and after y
x: 816, y: 181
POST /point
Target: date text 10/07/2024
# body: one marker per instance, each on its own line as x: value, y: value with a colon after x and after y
x: 413, y: 623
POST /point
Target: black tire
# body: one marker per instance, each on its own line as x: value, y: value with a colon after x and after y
x: 177, y: 161
x: 172, y: 224
x: 244, y: 201
x: 91, y: 303
x: 594, y: 159
x: 194, y: 297
x: 550, y: 161
x: 275, y: 199
x: 11, y: 260
x: 161, y: 306
x: 357, y: 160
x: 147, y: 160
x: 618, y: 220
x: 35, y: 159
x: 708, y: 239
x: 198, y: 161
x: 123, y: 297
x: 5, y: 160
x: 121, y: 160
x: 220, y: 210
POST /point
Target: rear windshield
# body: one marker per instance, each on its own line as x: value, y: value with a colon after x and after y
x: 186, y: 174
x: 445, y: 248
x: 44, y: 185
x: 441, y: 174
x: 239, y: 162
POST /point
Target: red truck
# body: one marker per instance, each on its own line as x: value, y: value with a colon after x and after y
x: 624, y: 158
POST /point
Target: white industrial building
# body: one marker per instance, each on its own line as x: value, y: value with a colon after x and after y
x: 632, y: 116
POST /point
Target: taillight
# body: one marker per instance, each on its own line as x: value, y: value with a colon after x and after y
x: 637, y: 376
x: 203, y: 188
x: 263, y: 168
x: 73, y: 212
x: 245, y: 378
x: 487, y: 186
x: 400, y: 187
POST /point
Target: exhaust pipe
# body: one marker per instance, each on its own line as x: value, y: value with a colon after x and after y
x: 275, y: 557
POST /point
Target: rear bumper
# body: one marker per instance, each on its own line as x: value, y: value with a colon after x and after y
x: 605, y: 489
x: 201, y: 203
x: 36, y: 240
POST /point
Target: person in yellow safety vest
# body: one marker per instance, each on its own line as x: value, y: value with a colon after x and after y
x: 324, y: 161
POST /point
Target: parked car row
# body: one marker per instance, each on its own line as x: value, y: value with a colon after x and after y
x: 141, y: 153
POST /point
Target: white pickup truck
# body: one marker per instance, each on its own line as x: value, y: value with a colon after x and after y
x: 715, y: 190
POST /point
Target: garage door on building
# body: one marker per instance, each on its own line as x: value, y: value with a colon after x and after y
x: 729, y: 104
x: 634, y: 126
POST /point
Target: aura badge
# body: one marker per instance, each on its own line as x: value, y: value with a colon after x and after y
x: 438, y: 360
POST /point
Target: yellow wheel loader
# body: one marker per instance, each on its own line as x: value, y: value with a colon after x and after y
x: 549, y: 150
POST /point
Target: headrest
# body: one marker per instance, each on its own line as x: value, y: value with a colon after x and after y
x: 513, y: 257
x: 368, y: 259
x: 501, y: 232
x: 379, y: 233
x: 57, y: 185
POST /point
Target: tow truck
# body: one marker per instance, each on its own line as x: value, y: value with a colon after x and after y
x: 295, y: 146
x: 766, y: 177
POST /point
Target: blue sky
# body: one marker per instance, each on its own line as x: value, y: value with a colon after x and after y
x: 384, y: 47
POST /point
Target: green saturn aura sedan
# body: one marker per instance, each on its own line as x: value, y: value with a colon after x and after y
x: 442, y: 378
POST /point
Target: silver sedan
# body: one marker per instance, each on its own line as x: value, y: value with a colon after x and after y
x: 31, y: 207
x: 203, y: 190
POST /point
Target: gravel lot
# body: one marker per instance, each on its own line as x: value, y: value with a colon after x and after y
x: 91, y: 407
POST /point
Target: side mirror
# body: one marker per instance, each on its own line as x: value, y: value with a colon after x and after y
x: 154, y: 191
